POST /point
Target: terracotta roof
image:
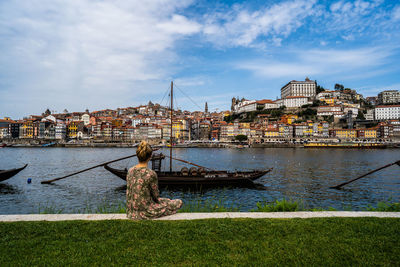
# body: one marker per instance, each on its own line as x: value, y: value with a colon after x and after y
x: 265, y: 101
x: 387, y: 106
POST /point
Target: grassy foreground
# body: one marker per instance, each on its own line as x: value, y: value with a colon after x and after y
x: 318, y: 241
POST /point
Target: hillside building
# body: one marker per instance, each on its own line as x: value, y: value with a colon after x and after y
x: 307, y: 88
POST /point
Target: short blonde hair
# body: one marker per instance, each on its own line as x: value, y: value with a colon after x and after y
x: 144, y: 151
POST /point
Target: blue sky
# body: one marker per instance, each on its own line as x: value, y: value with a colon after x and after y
x: 80, y: 54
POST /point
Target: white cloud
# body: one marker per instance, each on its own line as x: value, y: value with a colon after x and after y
x: 86, y: 51
x: 273, y: 69
x: 320, y: 62
x: 180, y: 25
x: 396, y: 13
x: 241, y: 27
x: 353, y: 16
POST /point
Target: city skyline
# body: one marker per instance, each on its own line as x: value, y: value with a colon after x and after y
x: 107, y: 54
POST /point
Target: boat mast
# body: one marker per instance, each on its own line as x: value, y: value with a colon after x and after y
x: 170, y: 138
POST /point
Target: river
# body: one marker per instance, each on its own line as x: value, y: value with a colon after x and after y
x: 298, y: 174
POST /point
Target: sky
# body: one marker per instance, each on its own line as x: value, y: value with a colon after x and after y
x: 98, y: 54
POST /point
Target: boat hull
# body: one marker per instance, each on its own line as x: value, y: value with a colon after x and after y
x: 6, y: 174
x: 209, y: 179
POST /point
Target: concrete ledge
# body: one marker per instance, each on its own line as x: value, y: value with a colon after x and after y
x: 197, y: 216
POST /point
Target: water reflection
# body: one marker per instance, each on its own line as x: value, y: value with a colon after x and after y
x: 8, y: 189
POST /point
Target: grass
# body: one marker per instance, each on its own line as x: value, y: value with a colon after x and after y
x: 220, y: 205
x: 226, y: 242
x: 385, y: 206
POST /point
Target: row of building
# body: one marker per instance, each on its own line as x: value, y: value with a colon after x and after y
x: 151, y: 121
x: 158, y: 128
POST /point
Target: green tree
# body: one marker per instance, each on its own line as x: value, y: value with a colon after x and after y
x: 339, y: 87
x: 241, y: 137
x: 319, y: 89
x: 360, y: 116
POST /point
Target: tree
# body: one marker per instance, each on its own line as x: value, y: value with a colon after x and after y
x: 339, y: 87
x: 316, y: 103
x: 320, y: 89
x: 360, y: 116
x: 241, y: 137
x: 276, y: 113
x: 47, y: 112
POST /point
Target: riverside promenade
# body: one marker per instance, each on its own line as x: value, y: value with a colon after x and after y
x: 200, y: 215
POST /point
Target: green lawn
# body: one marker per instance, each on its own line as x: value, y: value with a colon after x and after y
x: 319, y: 242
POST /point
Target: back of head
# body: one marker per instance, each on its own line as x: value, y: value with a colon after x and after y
x: 144, y: 151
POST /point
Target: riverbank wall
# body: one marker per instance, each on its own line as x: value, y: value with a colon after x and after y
x: 96, y: 144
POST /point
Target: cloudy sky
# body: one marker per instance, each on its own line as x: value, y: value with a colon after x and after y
x: 98, y: 54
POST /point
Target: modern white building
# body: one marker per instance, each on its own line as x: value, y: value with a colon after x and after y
x: 306, y: 88
x: 295, y: 101
x: 391, y: 112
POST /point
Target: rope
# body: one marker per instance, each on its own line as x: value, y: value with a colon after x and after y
x: 188, y: 97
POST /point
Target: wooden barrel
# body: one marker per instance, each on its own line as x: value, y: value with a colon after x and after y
x: 193, y: 171
x: 202, y: 171
x: 185, y: 171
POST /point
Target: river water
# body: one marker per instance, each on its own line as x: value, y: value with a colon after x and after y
x: 298, y: 174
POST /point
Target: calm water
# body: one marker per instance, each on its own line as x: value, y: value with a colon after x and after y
x: 300, y: 174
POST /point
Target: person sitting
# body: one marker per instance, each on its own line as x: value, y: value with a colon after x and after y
x: 143, y: 199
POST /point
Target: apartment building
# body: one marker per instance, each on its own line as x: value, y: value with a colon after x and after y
x: 390, y: 112
x: 389, y: 97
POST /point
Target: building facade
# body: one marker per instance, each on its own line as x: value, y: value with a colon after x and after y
x: 389, y: 97
x: 307, y: 88
x: 391, y: 112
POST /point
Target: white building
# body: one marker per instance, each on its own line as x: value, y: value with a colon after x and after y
x: 325, y: 94
x: 295, y: 101
x: 257, y: 105
x: 61, y: 131
x: 387, y: 112
x: 50, y: 118
x: 85, y: 118
x: 330, y: 110
x: 369, y: 116
x: 279, y: 102
x: 4, y: 133
x: 306, y: 88
x: 268, y: 104
x: 389, y: 97
x: 242, y: 106
x: 353, y: 110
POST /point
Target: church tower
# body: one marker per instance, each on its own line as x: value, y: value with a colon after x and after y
x: 206, y: 108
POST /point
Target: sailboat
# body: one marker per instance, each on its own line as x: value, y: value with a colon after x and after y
x: 6, y: 174
x: 197, y: 177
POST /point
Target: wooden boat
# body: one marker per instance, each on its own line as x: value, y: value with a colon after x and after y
x: 200, y: 179
x: 197, y: 177
x: 6, y: 174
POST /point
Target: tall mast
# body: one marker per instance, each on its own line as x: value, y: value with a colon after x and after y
x: 170, y: 138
